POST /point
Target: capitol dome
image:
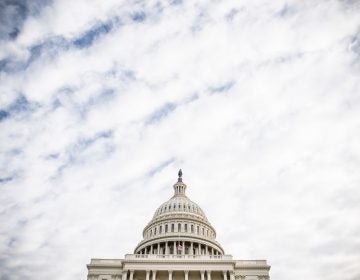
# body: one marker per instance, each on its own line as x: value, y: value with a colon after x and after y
x: 179, y: 226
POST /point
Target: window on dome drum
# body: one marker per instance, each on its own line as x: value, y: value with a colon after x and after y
x: 160, y: 229
x: 179, y: 227
x: 192, y: 228
x: 154, y: 231
x: 166, y: 228
x: 185, y: 227
x: 172, y: 227
x: 198, y: 230
x: 203, y: 231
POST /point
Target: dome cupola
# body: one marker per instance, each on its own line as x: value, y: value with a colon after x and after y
x: 179, y: 226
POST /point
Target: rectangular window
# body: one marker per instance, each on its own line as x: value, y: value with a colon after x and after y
x: 172, y: 228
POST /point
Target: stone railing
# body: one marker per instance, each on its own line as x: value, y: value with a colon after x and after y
x: 177, y: 257
x: 251, y: 263
x: 106, y: 261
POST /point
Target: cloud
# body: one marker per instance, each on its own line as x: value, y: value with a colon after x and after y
x: 101, y: 103
x: 14, y: 13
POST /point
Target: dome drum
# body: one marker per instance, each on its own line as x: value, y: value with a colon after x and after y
x: 179, y: 226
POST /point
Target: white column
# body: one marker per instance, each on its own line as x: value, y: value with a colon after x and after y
x: 131, y: 274
x: 124, y: 274
x: 191, y: 249
x: 154, y: 275
x: 225, y: 275
x: 208, y: 273
x: 183, y: 248
x: 170, y: 274
x: 166, y: 248
x: 174, y: 251
x: 151, y: 249
x: 232, y: 276
x: 147, y: 274
x: 202, y: 272
x: 186, y: 274
x: 212, y: 251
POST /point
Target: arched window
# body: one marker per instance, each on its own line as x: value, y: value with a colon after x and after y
x: 179, y: 227
x: 154, y: 231
x: 160, y: 229
x: 172, y: 227
x: 203, y: 231
x: 192, y: 228
x: 186, y: 228
x: 166, y: 228
x: 198, y: 230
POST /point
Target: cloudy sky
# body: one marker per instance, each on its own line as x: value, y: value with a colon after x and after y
x: 101, y: 102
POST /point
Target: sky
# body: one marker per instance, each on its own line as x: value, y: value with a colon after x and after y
x: 101, y: 102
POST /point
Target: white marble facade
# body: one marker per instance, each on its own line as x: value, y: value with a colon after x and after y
x: 178, y: 244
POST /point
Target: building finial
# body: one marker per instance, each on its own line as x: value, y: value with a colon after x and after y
x: 180, y: 175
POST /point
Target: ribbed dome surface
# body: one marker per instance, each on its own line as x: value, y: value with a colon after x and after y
x: 179, y: 204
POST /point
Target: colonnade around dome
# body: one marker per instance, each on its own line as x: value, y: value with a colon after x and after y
x: 179, y: 248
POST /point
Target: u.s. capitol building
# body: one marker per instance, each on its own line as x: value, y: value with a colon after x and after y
x: 179, y: 243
